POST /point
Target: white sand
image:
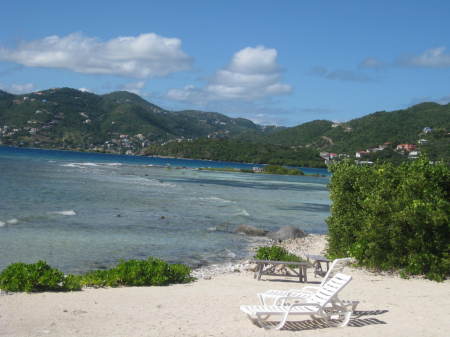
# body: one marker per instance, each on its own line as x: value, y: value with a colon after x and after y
x: 389, y: 306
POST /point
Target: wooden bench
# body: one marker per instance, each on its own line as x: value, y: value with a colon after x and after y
x: 292, y: 269
x: 317, y: 264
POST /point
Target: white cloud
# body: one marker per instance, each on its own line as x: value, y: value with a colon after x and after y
x: 18, y: 88
x: 444, y: 100
x: 85, y: 90
x: 134, y: 87
x: 141, y: 56
x: 371, y: 62
x: 433, y: 58
x: 340, y: 75
x: 252, y: 74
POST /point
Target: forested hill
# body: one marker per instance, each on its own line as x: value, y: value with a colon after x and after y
x: 400, y: 126
x: 70, y: 118
x: 300, y: 145
x: 122, y: 122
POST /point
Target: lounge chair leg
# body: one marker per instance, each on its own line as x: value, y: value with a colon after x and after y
x: 341, y: 320
x: 282, y: 322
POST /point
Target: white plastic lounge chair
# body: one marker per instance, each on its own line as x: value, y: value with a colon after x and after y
x: 318, y: 306
x: 303, y: 293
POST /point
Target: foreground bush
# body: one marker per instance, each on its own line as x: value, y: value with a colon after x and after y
x: 40, y: 276
x: 150, y: 272
x: 37, y: 276
x: 275, y: 253
x: 392, y: 217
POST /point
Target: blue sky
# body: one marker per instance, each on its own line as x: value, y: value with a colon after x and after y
x: 274, y: 62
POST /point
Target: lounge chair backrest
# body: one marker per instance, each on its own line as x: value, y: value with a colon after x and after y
x: 337, y: 266
x: 330, y: 289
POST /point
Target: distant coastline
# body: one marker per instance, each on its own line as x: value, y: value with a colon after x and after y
x: 216, y: 163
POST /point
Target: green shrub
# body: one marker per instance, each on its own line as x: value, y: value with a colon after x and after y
x: 150, y: 272
x: 275, y: 253
x: 37, y: 276
x: 277, y: 169
x: 41, y: 277
x: 392, y: 217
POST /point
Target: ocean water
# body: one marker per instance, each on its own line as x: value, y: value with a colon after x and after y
x: 84, y: 211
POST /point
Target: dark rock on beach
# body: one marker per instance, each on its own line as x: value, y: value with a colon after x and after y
x: 250, y: 230
x: 286, y: 233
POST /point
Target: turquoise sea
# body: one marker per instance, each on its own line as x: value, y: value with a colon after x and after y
x: 82, y: 211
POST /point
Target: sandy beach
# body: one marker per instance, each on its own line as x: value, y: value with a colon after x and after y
x: 389, y: 306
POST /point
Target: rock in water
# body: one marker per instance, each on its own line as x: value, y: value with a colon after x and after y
x: 250, y: 230
x: 287, y: 232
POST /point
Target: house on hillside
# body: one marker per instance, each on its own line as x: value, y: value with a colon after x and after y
x: 360, y: 154
x: 406, y: 147
x: 427, y: 130
x: 413, y: 154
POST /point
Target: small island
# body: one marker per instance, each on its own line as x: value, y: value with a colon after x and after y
x: 269, y: 169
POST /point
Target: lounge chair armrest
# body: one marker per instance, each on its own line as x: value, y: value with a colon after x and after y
x: 293, y: 305
x: 285, y: 298
x: 313, y: 288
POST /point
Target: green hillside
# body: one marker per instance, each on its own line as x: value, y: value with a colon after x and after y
x: 401, y: 126
x: 123, y: 122
x: 238, y: 151
x: 119, y: 121
x: 396, y: 127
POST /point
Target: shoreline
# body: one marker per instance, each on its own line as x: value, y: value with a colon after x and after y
x: 314, y: 244
x: 140, y: 155
x: 388, y: 305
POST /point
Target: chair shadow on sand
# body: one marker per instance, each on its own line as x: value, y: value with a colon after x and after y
x: 358, y: 320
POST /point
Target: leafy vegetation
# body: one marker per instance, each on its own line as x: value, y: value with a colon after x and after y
x: 437, y: 146
x: 275, y: 253
x: 35, y: 277
x: 150, y: 272
x: 269, y: 169
x: 392, y: 217
x: 19, y: 277
x: 277, y: 169
x: 238, y: 151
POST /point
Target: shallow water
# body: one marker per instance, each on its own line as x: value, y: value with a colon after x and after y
x: 80, y: 211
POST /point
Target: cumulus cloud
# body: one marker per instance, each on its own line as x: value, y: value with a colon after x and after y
x: 142, y: 56
x: 253, y: 73
x: 431, y: 58
x: 18, y: 88
x: 340, y: 75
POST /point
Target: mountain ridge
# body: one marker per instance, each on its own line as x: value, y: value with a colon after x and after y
x: 124, y: 122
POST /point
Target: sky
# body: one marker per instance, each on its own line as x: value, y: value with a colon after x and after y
x: 281, y: 62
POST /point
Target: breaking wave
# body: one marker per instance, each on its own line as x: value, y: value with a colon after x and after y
x: 69, y: 212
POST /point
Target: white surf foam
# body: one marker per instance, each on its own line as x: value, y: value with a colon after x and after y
x: 12, y: 221
x: 69, y: 212
x: 229, y: 253
x: 2, y: 224
x: 216, y: 199
x: 79, y: 165
x: 147, y: 181
x: 243, y: 212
